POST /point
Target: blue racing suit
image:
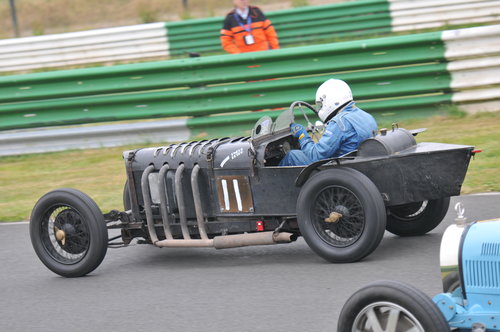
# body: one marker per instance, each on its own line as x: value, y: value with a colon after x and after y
x: 343, y: 134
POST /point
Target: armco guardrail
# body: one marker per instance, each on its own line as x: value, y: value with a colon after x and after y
x: 393, y: 75
x: 220, y: 84
x: 341, y: 20
x: 295, y: 25
x: 299, y: 25
x: 60, y: 139
x: 76, y: 48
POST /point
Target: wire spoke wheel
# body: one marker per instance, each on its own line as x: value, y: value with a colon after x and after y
x: 341, y: 214
x: 417, y: 218
x: 409, y: 212
x: 386, y: 317
x: 338, y: 216
x: 65, y: 237
x: 68, y: 232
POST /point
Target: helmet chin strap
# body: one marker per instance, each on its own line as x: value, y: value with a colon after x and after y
x: 337, y: 111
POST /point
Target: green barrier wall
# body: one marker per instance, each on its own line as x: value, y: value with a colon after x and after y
x: 393, y: 74
x: 297, y: 25
x: 184, y: 73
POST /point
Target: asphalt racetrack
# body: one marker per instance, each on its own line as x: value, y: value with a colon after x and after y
x: 268, y: 288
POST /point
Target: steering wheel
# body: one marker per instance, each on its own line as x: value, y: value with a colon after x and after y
x: 310, y: 127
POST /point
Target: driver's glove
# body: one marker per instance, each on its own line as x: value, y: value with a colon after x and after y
x: 298, y: 131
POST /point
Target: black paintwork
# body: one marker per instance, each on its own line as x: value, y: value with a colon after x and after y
x: 402, y: 170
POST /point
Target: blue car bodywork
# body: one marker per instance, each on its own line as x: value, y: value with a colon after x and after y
x: 474, y: 304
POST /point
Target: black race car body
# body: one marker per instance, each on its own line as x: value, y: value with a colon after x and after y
x: 230, y: 192
x: 239, y: 178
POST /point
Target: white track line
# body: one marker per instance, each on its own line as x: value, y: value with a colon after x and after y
x: 8, y: 223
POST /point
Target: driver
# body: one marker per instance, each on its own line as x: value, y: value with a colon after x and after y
x: 346, y: 126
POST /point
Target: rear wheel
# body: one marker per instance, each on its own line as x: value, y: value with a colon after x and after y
x: 417, y: 218
x: 392, y: 307
x: 341, y: 215
x: 68, y: 232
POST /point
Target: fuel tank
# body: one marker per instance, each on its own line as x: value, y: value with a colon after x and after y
x: 387, y: 143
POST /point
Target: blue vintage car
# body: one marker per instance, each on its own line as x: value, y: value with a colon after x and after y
x: 470, y: 268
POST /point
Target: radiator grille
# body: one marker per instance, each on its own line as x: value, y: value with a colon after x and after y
x: 490, y: 249
x: 482, y: 274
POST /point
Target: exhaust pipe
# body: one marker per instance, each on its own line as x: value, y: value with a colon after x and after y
x: 252, y: 239
x: 147, y: 203
x: 232, y: 241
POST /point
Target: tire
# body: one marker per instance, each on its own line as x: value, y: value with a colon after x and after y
x: 357, y: 230
x: 376, y: 302
x: 127, y: 202
x: 83, y: 243
x: 417, y: 218
x: 451, y: 282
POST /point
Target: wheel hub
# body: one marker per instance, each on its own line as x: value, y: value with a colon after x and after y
x: 333, y: 217
x: 342, y: 210
x: 67, y: 231
x: 60, y: 235
x: 338, y: 216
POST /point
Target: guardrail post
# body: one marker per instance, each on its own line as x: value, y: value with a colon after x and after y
x: 14, y: 17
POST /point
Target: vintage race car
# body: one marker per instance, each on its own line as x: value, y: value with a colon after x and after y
x: 230, y: 192
x: 470, y: 268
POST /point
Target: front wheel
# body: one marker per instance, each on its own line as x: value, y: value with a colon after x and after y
x: 392, y: 307
x: 68, y: 232
x: 417, y: 218
x: 341, y: 215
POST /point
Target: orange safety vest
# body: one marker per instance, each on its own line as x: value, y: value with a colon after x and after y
x: 232, y: 35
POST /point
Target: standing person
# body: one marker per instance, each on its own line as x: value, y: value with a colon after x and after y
x: 346, y: 126
x: 246, y: 29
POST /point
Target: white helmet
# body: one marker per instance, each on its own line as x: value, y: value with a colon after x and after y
x: 331, y: 97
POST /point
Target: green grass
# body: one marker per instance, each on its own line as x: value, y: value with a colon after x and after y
x: 23, y: 179
x: 101, y: 173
